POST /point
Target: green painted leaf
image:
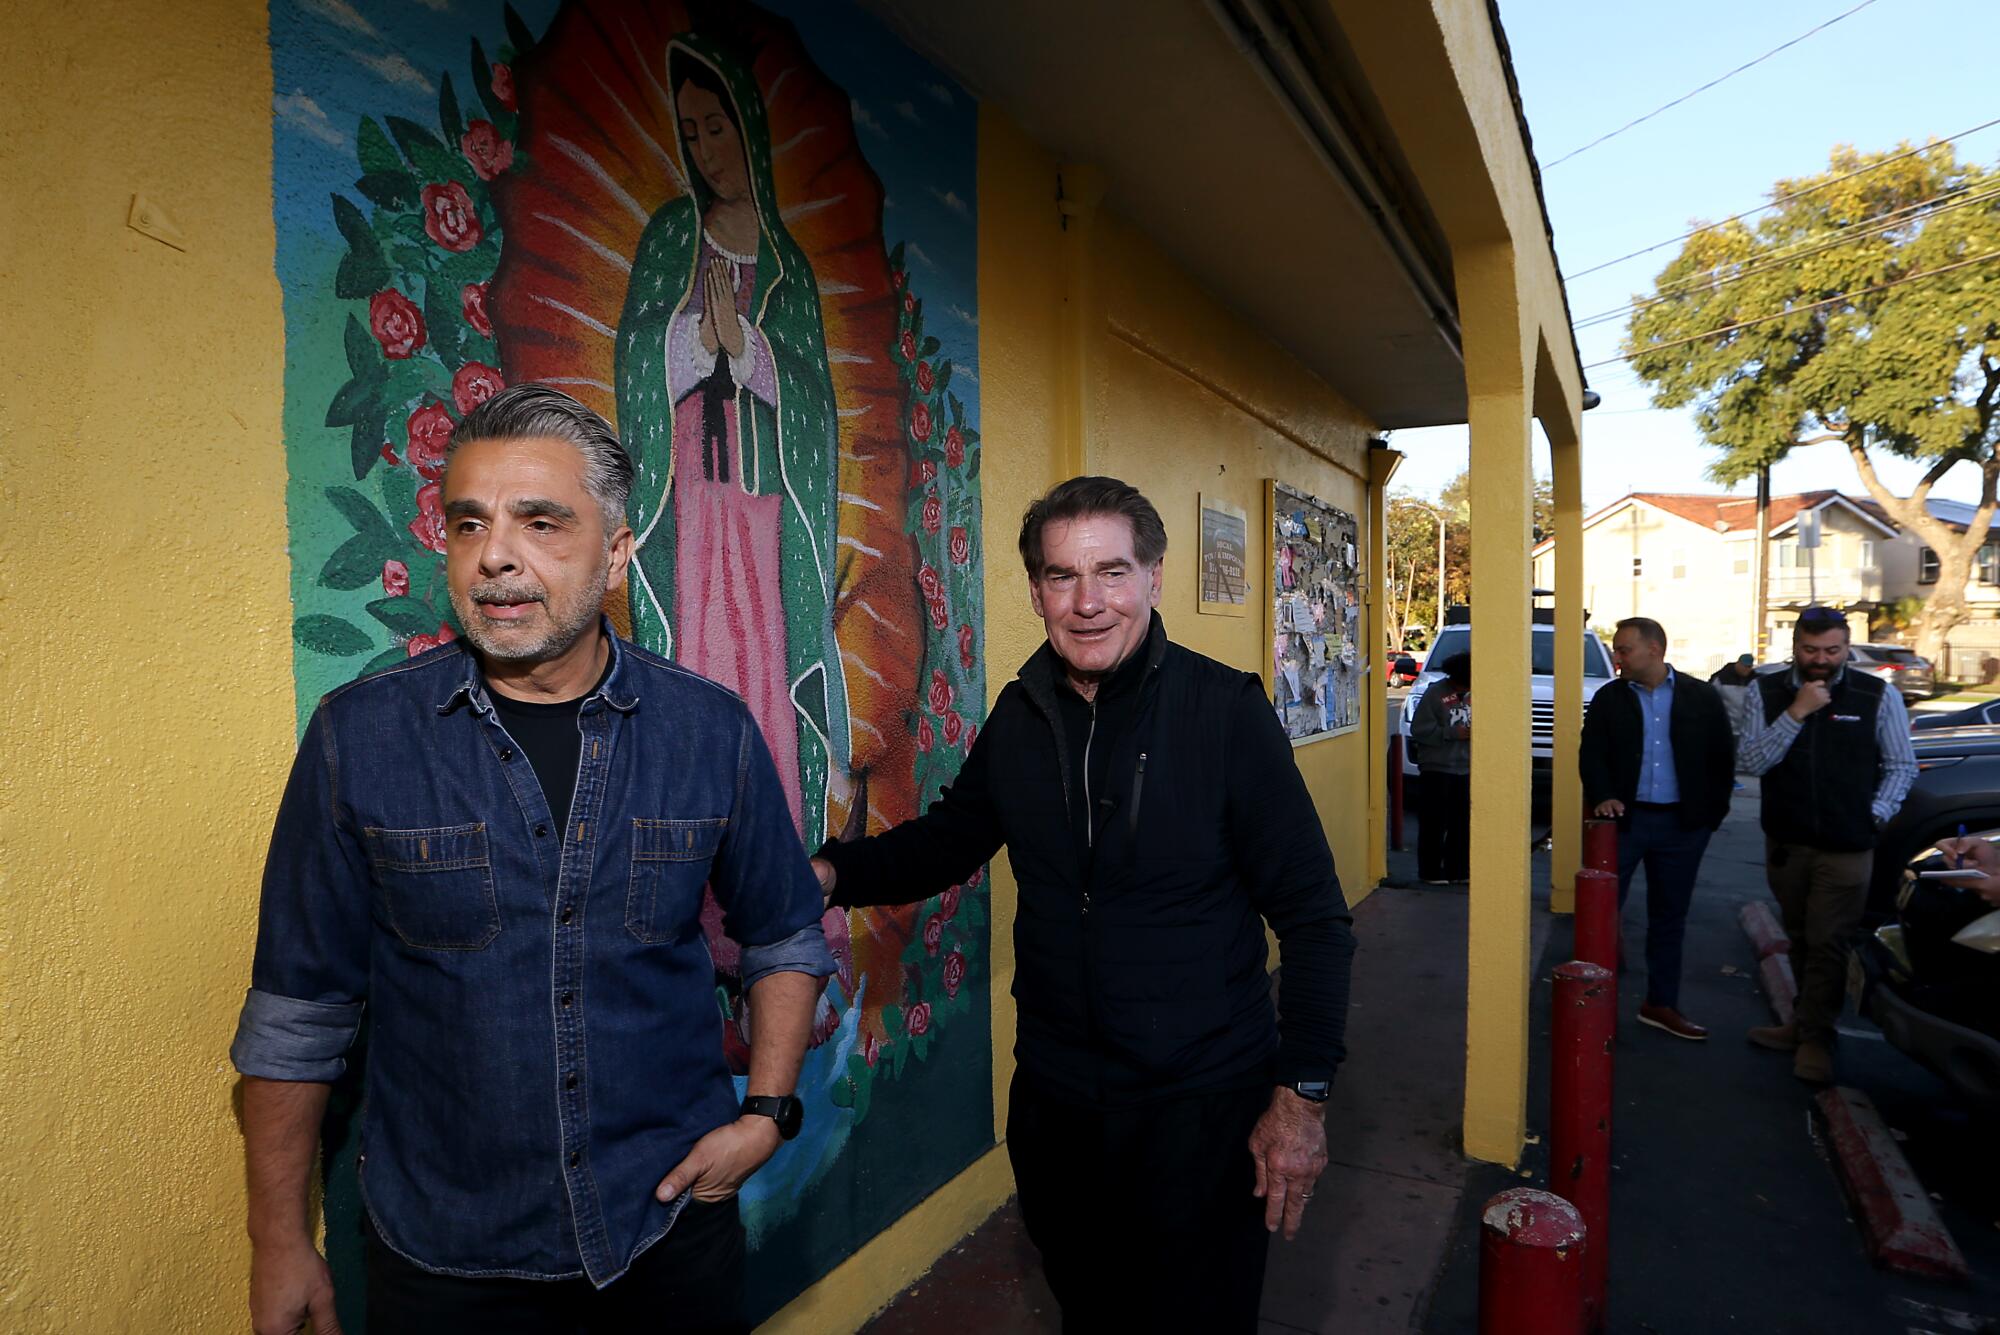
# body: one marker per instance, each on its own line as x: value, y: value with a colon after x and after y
x: 435, y: 164
x: 899, y: 1052
x: 354, y: 401
x: 363, y: 354
x: 364, y: 444
x: 892, y: 1019
x: 330, y: 635
x: 482, y: 83
x: 360, y: 275
x: 446, y: 321
x: 389, y: 657
x: 921, y: 1045
x: 353, y: 225
x: 863, y: 1092
x: 373, y: 149
x: 359, y: 511
x: 930, y: 347
x: 355, y: 564
x: 842, y: 1094
x: 389, y: 190
x: 449, y: 118
x: 518, y: 34
x: 405, y: 615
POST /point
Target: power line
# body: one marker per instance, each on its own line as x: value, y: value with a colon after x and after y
x: 1786, y: 199
x: 1710, y: 84
x: 1704, y: 283
x: 1736, y: 325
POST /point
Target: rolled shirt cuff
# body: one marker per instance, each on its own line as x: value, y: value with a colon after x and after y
x: 284, y: 1038
x: 804, y: 951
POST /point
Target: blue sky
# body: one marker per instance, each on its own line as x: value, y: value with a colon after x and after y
x: 1898, y: 70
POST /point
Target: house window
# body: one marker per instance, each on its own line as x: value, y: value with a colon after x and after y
x: 1868, y: 554
x: 1638, y: 566
x: 1680, y: 565
x: 1742, y: 565
x: 1927, y: 566
x: 1989, y: 563
x: 1791, y: 556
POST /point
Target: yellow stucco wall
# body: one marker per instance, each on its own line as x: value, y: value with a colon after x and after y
x: 148, y: 654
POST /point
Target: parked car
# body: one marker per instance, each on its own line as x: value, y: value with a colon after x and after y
x: 1958, y: 783
x: 1972, y: 716
x: 1457, y: 639
x: 1936, y: 998
x: 1900, y: 667
x: 1404, y: 669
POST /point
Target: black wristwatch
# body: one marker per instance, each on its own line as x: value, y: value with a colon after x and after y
x: 1312, y: 1091
x: 784, y: 1109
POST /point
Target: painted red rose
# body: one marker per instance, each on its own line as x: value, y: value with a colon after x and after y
x: 389, y: 453
x: 925, y: 377
x: 972, y: 881
x: 954, y: 973
x: 871, y: 1048
x: 940, y: 695
x: 971, y: 736
x: 909, y: 303
x: 965, y: 647
x: 948, y: 903
x: 450, y: 219
x: 954, y: 727
x: 396, y: 323
x: 472, y: 301
x: 927, y: 581
x: 961, y: 546
x: 922, y: 471
x: 898, y: 278
x: 908, y: 346
x: 940, y: 614
x: 503, y: 85
x: 917, y: 1020
x: 483, y: 147
x: 954, y: 447
x: 920, y: 423
x: 428, y: 527
x: 430, y: 429
x: 933, y: 513
x: 475, y: 383
x: 395, y: 578
x: 419, y: 643
x: 933, y: 933
x: 926, y: 739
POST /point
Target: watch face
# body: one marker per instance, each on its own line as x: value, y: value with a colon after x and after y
x: 791, y: 1115
x: 1313, y: 1091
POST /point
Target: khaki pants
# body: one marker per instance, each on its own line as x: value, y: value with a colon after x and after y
x: 1822, y: 895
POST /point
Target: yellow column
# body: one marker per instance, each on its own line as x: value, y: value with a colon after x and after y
x: 1497, y: 359
x: 1382, y: 465
x: 1566, y: 784
x: 1080, y: 190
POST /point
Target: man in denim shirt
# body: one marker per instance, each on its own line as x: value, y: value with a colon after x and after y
x: 502, y: 848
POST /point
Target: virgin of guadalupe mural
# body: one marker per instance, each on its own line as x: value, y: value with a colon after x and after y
x: 666, y: 209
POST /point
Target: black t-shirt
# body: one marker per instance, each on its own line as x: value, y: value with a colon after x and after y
x: 549, y: 737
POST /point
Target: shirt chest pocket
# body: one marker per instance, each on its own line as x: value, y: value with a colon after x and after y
x: 437, y: 886
x: 670, y: 862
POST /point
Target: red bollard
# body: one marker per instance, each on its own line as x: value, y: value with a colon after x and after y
x: 1596, y: 917
x: 1585, y: 1023
x: 1533, y: 1248
x: 1600, y: 845
x: 1396, y: 792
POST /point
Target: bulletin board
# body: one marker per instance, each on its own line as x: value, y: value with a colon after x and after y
x: 1318, y: 660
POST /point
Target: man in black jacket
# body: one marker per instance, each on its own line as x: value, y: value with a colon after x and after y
x: 1658, y: 756
x: 1155, y: 822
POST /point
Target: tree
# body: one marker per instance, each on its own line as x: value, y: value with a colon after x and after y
x: 1456, y: 498
x: 1412, y: 543
x: 1860, y: 308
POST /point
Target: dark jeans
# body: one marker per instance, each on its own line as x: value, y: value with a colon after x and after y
x: 1444, y: 826
x: 1672, y: 858
x: 1143, y: 1215
x: 688, y: 1283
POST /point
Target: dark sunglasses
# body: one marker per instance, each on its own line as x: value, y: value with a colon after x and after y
x: 1816, y: 619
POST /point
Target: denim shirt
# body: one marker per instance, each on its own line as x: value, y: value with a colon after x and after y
x: 545, y: 1041
x: 1658, y: 780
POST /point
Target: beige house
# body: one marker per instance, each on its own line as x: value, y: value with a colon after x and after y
x: 1689, y: 562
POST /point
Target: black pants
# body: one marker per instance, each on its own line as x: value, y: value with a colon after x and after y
x: 1143, y: 1215
x: 1444, y: 826
x: 688, y: 1283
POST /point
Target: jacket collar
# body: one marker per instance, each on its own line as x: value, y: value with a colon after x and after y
x: 1043, y: 671
x: 468, y: 684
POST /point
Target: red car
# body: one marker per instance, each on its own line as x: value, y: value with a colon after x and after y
x: 1404, y: 669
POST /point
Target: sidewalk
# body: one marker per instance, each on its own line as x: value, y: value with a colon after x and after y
x: 1726, y: 1212
x: 1389, y: 1203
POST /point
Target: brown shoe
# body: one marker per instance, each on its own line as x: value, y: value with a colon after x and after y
x: 1776, y: 1037
x: 1813, y: 1064
x: 1671, y: 1020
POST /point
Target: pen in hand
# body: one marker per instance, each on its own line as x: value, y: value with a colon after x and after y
x: 1958, y: 858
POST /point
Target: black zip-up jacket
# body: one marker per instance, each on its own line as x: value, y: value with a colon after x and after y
x: 1704, y: 746
x: 1139, y: 939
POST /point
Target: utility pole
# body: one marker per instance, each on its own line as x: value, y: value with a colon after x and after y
x: 1759, y: 634
x: 1440, y: 607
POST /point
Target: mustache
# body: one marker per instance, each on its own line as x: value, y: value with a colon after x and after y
x: 504, y: 591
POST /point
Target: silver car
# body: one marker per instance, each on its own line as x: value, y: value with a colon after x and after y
x: 1899, y: 667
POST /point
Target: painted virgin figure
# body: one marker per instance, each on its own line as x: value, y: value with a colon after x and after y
x: 725, y: 398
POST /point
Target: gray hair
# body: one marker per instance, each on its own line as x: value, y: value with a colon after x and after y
x: 1082, y: 496
x: 528, y: 411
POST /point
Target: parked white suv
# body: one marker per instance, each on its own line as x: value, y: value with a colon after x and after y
x: 1542, y: 685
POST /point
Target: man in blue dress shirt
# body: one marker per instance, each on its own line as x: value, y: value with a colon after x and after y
x: 1658, y: 756
x: 499, y: 848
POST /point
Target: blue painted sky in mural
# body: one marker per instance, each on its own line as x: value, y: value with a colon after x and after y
x: 903, y: 107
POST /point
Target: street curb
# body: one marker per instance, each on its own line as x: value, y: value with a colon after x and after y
x: 1903, y: 1229
x: 1761, y: 926
x: 1780, y: 988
